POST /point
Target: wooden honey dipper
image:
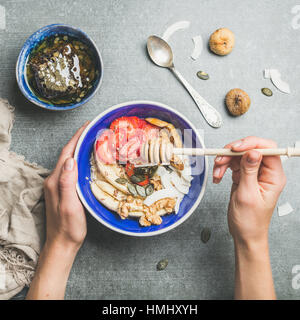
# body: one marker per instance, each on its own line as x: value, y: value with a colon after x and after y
x: 160, y: 151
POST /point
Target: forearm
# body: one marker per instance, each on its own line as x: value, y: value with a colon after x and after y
x: 253, y: 274
x: 52, y: 273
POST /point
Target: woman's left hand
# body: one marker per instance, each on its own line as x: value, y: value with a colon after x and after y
x: 66, y: 227
x: 66, y: 222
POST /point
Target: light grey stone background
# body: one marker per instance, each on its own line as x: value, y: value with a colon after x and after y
x: 112, y: 266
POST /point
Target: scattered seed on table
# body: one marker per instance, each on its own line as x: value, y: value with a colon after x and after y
x: 267, y: 92
x: 205, y: 235
x: 202, y: 75
x: 162, y: 264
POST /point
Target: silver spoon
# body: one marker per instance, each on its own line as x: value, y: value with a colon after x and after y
x: 161, y: 54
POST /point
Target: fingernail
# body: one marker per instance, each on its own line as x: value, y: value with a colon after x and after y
x: 218, y: 159
x: 69, y: 164
x: 86, y: 123
x: 237, y: 144
x: 253, y: 159
x: 217, y: 172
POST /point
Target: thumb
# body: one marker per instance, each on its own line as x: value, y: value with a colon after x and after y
x: 67, y: 183
x: 250, y: 164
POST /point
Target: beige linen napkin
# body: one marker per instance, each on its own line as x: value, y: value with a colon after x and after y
x: 21, y: 212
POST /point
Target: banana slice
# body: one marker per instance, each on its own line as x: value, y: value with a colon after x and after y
x: 104, y: 198
x: 111, y: 172
x: 112, y: 191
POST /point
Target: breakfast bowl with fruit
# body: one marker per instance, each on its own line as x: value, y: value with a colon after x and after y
x: 129, y: 179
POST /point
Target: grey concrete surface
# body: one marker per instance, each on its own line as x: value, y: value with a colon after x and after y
x: 112, y: 266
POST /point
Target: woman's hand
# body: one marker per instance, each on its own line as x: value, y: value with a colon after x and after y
x: 66, y: 223
x: 256, y: 185
x: 66, y: 227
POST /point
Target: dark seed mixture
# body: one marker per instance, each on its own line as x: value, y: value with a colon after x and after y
x: 61, y: 70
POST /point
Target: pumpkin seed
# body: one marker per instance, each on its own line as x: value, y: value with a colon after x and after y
x: 152, y: 171
x: 162, y: 264
x: 205, y: 235
x: 149, y: 189
x: 136, y: 178
x: 141, y: 191
x: 202, y: 75
x: 121, y: 180
x: 131, y: 189
x: 267, y: 92
x: 141, y: 171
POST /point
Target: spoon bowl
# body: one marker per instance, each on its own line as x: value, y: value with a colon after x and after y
x: 160, y: 52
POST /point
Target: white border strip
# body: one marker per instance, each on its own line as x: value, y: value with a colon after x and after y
x: 151, y: 233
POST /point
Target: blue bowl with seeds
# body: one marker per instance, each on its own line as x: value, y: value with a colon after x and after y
x: 59, y: 68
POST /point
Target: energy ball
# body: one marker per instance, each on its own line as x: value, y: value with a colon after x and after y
x: 221, y: 42
x: 237, y: 102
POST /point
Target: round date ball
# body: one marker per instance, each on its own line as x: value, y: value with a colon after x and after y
x: 237, y: 102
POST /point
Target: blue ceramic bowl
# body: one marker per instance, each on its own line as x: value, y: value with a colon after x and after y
x: 30, y: 44
x: 142, y: 109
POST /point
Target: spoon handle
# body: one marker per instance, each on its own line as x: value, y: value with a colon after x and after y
x: 210, y: 114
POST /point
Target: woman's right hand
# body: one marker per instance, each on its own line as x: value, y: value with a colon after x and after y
x: 256, y: 185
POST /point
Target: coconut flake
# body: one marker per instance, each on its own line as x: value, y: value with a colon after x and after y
x: 267, y: 74
x: 198, y: 46
x: 161, y: 171
x: 177, y: 182
x: 175, y: 27
x: 275, y: 77
x: 285, y: 209
x: 177, y: 205
x: 188, y: 179
x: 166, y: 181
x: 161, y: 194
x: 186, y: 173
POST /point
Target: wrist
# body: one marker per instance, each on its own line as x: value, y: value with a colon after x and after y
x: 66, y: 250
x: 54, y: 266
x: 252, y: 249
